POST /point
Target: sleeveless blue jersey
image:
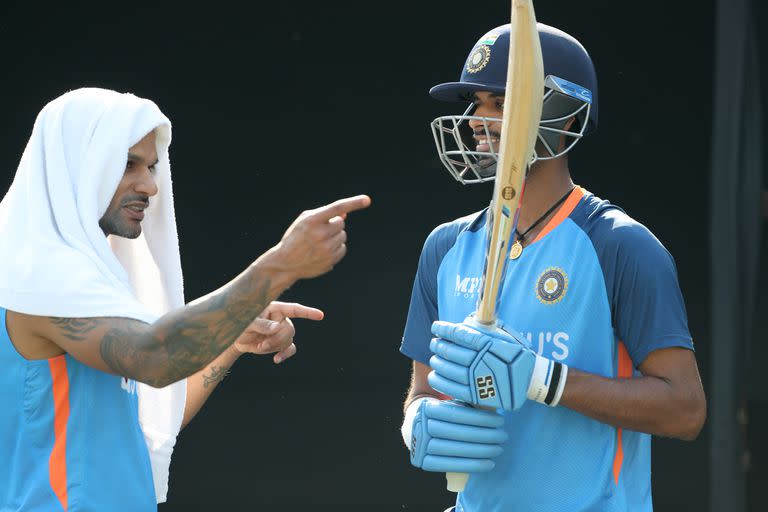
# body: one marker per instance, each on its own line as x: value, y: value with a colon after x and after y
x: 595, y: 290
x: 69, y: 437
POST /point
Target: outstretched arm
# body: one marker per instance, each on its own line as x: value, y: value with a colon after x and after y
x: 183, y: 341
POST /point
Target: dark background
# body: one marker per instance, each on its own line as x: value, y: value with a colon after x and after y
x: 280, y: 107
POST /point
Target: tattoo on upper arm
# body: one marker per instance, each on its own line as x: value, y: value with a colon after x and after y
x: 122, y: 345
x: 180, y: 343
x: 76, y: 329
x: 126, y: 348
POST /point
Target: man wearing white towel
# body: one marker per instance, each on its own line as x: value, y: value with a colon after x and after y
x: 102, y: 363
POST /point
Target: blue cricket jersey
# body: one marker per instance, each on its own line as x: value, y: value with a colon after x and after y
x: 595, y: 290
x: 70, y: 438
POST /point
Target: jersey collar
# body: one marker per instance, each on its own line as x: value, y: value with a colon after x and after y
x: 565, y: 210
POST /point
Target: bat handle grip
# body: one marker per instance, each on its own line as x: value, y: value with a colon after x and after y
x: 456, y: 481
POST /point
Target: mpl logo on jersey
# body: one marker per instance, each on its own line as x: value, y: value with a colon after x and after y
x: 468, y: 287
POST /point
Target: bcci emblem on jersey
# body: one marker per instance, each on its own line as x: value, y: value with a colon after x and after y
x: 551, y: 286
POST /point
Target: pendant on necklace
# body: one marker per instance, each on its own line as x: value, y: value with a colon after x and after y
x: 516, y: 250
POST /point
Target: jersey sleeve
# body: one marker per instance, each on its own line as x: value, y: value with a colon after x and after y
x: 423, y: 309
x: 641, y: 280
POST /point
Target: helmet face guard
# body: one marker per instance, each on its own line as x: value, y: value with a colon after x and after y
x: 564, y: 102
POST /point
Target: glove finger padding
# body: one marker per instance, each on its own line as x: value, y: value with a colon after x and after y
x: 449, y: 387
x: 448, y: 448
x: 461, y: 334
x: 452, y: 352
x: 450, y: 437
x: 468, y: 433
x: 452, y: 371
x: 456, y: 464
x: 460, y: 413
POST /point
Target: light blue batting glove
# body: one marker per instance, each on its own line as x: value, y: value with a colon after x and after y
x: 490, y: 367
x: 447, y: 436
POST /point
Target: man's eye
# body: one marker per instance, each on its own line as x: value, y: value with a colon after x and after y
x: 152, y: 168
x: 129, y: 164
x: 500, y: 105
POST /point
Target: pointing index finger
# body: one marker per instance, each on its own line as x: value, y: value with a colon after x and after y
x: 343, y: 206
x: 296, y: 310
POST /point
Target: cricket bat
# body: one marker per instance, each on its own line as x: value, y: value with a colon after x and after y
x: 522, y: 112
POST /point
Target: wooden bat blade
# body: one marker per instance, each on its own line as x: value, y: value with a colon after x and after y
x: 522, y: 112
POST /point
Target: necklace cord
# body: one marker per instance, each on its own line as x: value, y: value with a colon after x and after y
x: 521, y: 237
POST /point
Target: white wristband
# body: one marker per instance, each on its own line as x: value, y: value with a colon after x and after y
x: 539, y: 386
x: 410, y: 414
x: 547, y: 381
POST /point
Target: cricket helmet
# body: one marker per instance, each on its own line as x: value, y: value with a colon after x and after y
x: 570, y: 91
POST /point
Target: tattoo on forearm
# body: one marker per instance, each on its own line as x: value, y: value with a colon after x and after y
x: 217, y: 375
x: 186, y: 340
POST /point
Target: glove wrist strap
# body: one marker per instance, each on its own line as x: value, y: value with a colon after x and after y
x: 410, y: 414
x: 547, y: 381
x: 559, y: 386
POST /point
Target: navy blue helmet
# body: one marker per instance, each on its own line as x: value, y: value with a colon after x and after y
x: 570, y: 92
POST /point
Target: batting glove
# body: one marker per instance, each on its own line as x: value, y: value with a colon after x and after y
x: 492, y: 368
x: 447, y: 436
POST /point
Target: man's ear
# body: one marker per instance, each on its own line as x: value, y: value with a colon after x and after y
x: 567, y: 128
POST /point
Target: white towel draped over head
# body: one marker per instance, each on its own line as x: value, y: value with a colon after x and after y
x: 56, y: 259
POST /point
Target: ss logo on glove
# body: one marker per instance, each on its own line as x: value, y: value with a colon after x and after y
x: 485, y: 387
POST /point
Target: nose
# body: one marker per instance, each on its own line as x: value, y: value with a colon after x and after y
x: 475, y: 124
x: 480, y: 111
x: 146, y: 184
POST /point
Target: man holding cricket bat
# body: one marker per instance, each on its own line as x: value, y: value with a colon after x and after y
x: 590, y: 352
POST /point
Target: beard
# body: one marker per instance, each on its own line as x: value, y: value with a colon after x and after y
x: 486, y: 167
x: 112, y: 223
x: 115, y: 222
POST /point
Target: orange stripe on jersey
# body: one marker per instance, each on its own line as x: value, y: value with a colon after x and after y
x: 624, y: 371
x: 618, y: 459
x: 573, y: 199
x: 625, y: 362
x: 57, y: 463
